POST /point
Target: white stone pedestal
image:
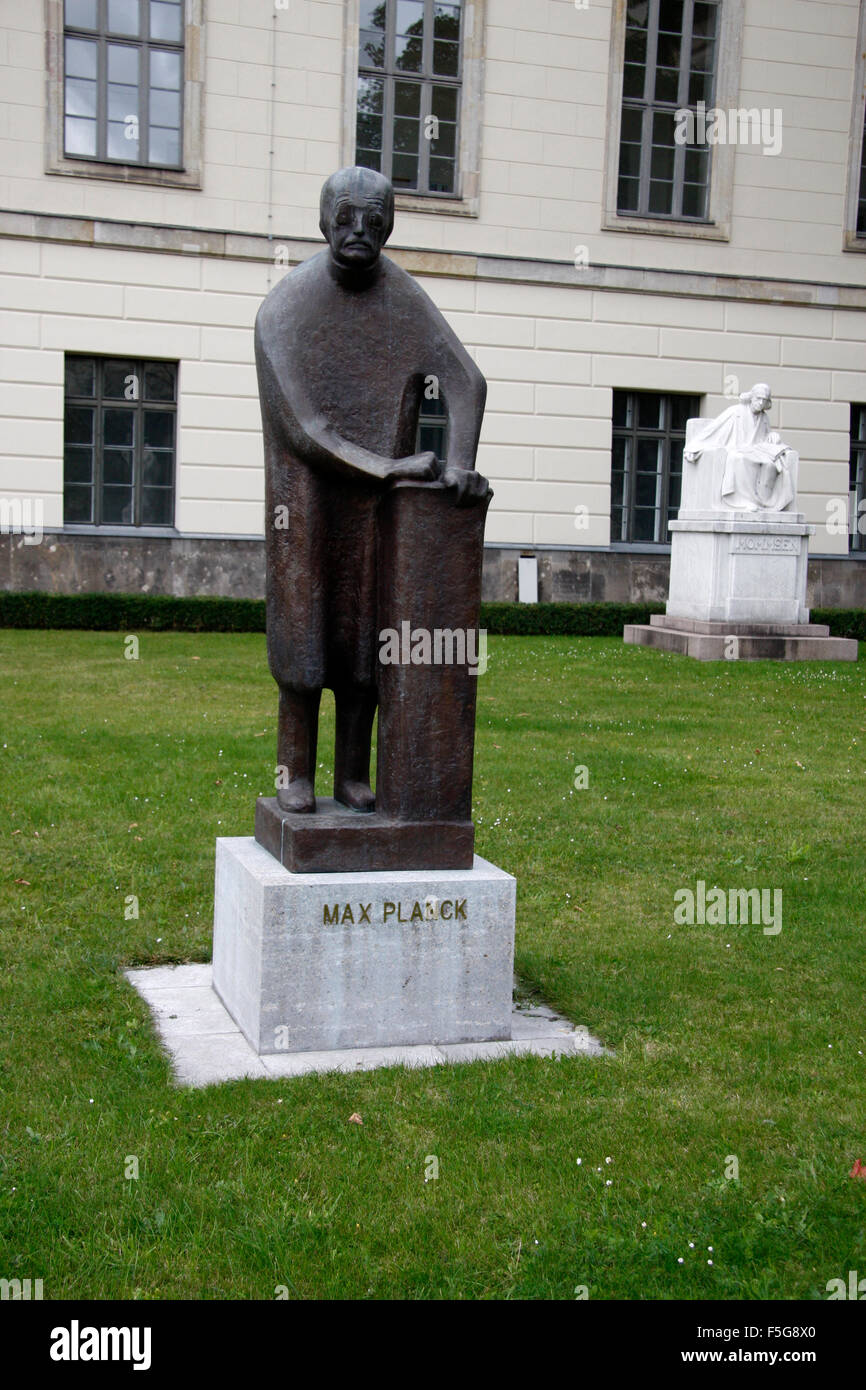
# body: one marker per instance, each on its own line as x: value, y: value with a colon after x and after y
x: 324, y: 961
x: 746, y: 567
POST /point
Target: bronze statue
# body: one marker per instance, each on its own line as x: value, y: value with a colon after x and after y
x: 344, y: 346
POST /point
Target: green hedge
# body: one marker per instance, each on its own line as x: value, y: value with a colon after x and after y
x: 162, y: 613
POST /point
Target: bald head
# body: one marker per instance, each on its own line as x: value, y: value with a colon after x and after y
x: 356, y: 216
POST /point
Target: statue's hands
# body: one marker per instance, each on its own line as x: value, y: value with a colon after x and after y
x: 416, y: 468
x: 469, y: 486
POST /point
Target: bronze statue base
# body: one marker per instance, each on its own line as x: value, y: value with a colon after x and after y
x: 336, y: 840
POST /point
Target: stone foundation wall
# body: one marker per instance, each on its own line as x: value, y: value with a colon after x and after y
x: 231, y: 568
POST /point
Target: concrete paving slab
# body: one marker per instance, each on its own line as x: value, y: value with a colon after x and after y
x: 207, y: 1047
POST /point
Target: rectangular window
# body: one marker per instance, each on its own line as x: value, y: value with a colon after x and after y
x: 671, y: 62
x: 861, y: 191
x: 119, y: 442
x: 408, y: 106
x: 433, y: 428
x: 857, y: 485
x: 649, y: 432
x: 123, y: 63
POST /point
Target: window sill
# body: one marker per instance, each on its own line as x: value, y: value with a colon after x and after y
x: 124, y: 173
x: 434, y: 203
x: 854, y: 243
x: 72, y: 528
x: 658, y: 226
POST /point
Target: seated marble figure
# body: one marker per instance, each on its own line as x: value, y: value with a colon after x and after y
x: 757, y: 474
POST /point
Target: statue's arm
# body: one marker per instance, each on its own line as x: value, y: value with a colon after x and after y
x: 465, y: 392
x: 306, y: 432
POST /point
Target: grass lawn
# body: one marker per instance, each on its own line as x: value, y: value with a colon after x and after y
x: 117, y: 776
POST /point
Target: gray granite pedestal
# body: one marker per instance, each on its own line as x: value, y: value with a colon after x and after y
x: 315, y: 962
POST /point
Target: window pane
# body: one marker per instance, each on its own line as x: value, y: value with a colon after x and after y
x: 372, y: 49
x: 635, y: 46
x: 117, y: 466
x: 369, y: 159
x: 671, y: 16
x: 696, y: 166
x: 118, y: 427
x: 649, y: 412
x: 165, y: 20
x: 77, y: 464
x: 165, y: 69
x: 165, y: 108
x: 638, y: 13
x: 632, y: 125
x: 159, y: 428
x: 667, y: 84
x: 407, y: 99
x: 123, y: 63
x: 80, y: 97
x: 445, y: 103
x: 668, y: 52
x: 704, y: 21
x: 120, y: 380
x: 122, y: 142
x: 442, y: 172
x: 164, y: 146
x: 700, y: 88
x: 617, y: 489
x: 117, y: 506
x: 621, y: 411
x: 645, y: 489
x: 408, y: 54
x: 123, y: 17
x: 370, y: 94
x: 683, y: 409
x: 157, y: 468
x: 633, y: 80
x: 446, y: 144
x: 694, y: 200
x: 156, y: 506
x: 406, y: 135
x: 410, y: 17
x: 446, y: 21
x: 644, y: 525
x: 372, y: 14
x: 78, y: 424
x: 79, y: 376
x: 405, y: 174
x: 81, y: 14
x: 81, y: 58
x: 703, y: 53
x: 445, y: 58
x: 159, y: 379
x: 79, y: 137
x: 123, y: 105
x: 627, y: 195
x: 629, y: 161
x: 662, y: 164
x: 77, y: 504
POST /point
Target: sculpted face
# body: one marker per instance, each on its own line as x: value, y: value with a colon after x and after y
x: 357, y: 215
x: 760, y: 398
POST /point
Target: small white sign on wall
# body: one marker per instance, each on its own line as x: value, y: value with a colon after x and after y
x: 527, y: 579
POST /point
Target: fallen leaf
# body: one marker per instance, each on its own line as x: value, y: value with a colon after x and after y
x: 355, y: 1119
x: 858, y: 1171
x: 25, y: 881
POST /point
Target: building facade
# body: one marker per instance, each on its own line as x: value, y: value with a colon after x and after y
x: 629, y: 211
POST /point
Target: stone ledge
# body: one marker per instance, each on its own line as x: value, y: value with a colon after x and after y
x: 752, y: 644
x: 206, y: 1046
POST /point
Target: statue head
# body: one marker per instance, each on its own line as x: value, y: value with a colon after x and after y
x: 759, y: 398
x: 356, y: 216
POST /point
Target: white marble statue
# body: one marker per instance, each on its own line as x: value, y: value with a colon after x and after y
x: 756, y: 475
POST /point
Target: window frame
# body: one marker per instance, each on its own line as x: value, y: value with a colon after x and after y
x: 635, y: 432
x: 852, y: 239
x: 465, y: 201
x: 186, y: 175
x: 717, y: 225
x: 857, y: 481
x: 99, y: 402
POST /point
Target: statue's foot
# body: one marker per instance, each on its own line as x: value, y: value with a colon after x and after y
x: 357, y: 796
x: 298, y: 796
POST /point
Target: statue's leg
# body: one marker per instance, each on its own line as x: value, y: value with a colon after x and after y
x: 355, y: 709
x: 296, y: 748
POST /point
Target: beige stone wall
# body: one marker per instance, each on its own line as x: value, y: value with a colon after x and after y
x: 551, y: 353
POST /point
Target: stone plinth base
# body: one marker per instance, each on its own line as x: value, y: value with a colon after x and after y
x: 708, y: 641
x: 318, y: 962
x: 334, y: 839
x: 742, y: 568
